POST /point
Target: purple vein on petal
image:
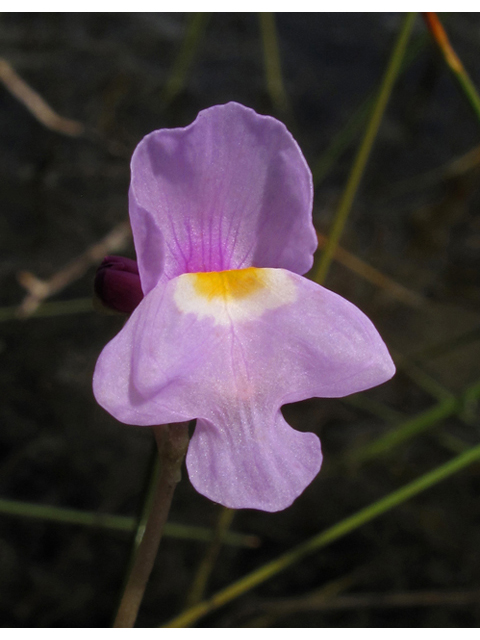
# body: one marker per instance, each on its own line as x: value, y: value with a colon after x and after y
x: 237, y: 220
x: 243, y: 261
x: 210, y: 245
x: 178, y: 244
x: 189, y: 236
x: 171, y: 271
x: 201, y: 226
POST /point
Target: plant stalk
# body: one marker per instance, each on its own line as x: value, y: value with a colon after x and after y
x: 172, y: 441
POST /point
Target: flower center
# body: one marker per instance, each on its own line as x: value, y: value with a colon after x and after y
x: 239, y: 295
x: 229, y: 285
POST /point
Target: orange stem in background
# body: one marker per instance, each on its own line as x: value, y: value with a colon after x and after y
x: 453, y: 61
x: 440, y: 36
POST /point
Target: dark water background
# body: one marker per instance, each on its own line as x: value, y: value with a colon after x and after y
x: 59, y: 195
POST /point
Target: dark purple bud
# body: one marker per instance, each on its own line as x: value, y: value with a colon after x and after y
x: 117, y: 284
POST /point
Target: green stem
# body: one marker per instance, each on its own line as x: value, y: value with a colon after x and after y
x: 424, y: 380
x: 341, y: 141
x: 207, y: 563
x: 414, y: 426
x: 49, y: 309
x: 114, y: 522
x: 148, y: 500
x: 325, y: 538
x: 442, y: 347
x: 345, y: 136
x: 469, y: 90
x: 364, y: 150
x: 378, y: 409
x: 273, y: 69
x: 197, y: 23
x: 172, y: 446
x: 149, y: 493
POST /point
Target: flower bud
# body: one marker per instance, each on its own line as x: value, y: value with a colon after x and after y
x: 117, y: 284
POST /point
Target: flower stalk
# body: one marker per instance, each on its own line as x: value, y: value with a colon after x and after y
x: 172, y: 442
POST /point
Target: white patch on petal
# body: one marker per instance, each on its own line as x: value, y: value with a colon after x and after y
x: 234, y: 296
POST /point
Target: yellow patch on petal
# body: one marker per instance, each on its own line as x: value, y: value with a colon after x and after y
x: 238, y: 295
x: 229, y: 285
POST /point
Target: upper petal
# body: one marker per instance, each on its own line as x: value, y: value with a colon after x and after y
x: 231, y: 190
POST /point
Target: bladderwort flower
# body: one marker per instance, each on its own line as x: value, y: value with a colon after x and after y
x: 228, y: 330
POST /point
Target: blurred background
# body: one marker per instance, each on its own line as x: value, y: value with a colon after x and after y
x: 409, y: 258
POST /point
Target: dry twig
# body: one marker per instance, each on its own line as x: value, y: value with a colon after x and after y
x: 39, y: 290
x: 285, y: 606
x: 374, y: 276
x: 36, y: 104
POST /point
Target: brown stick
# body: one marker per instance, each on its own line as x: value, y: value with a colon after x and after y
x: 285, y: 606
x: 172, y: 443
x: 36, y: 104
x: 39, y: 289
x: 374, y: 276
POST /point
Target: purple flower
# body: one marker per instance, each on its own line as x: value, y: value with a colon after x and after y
x: 229, y: 330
